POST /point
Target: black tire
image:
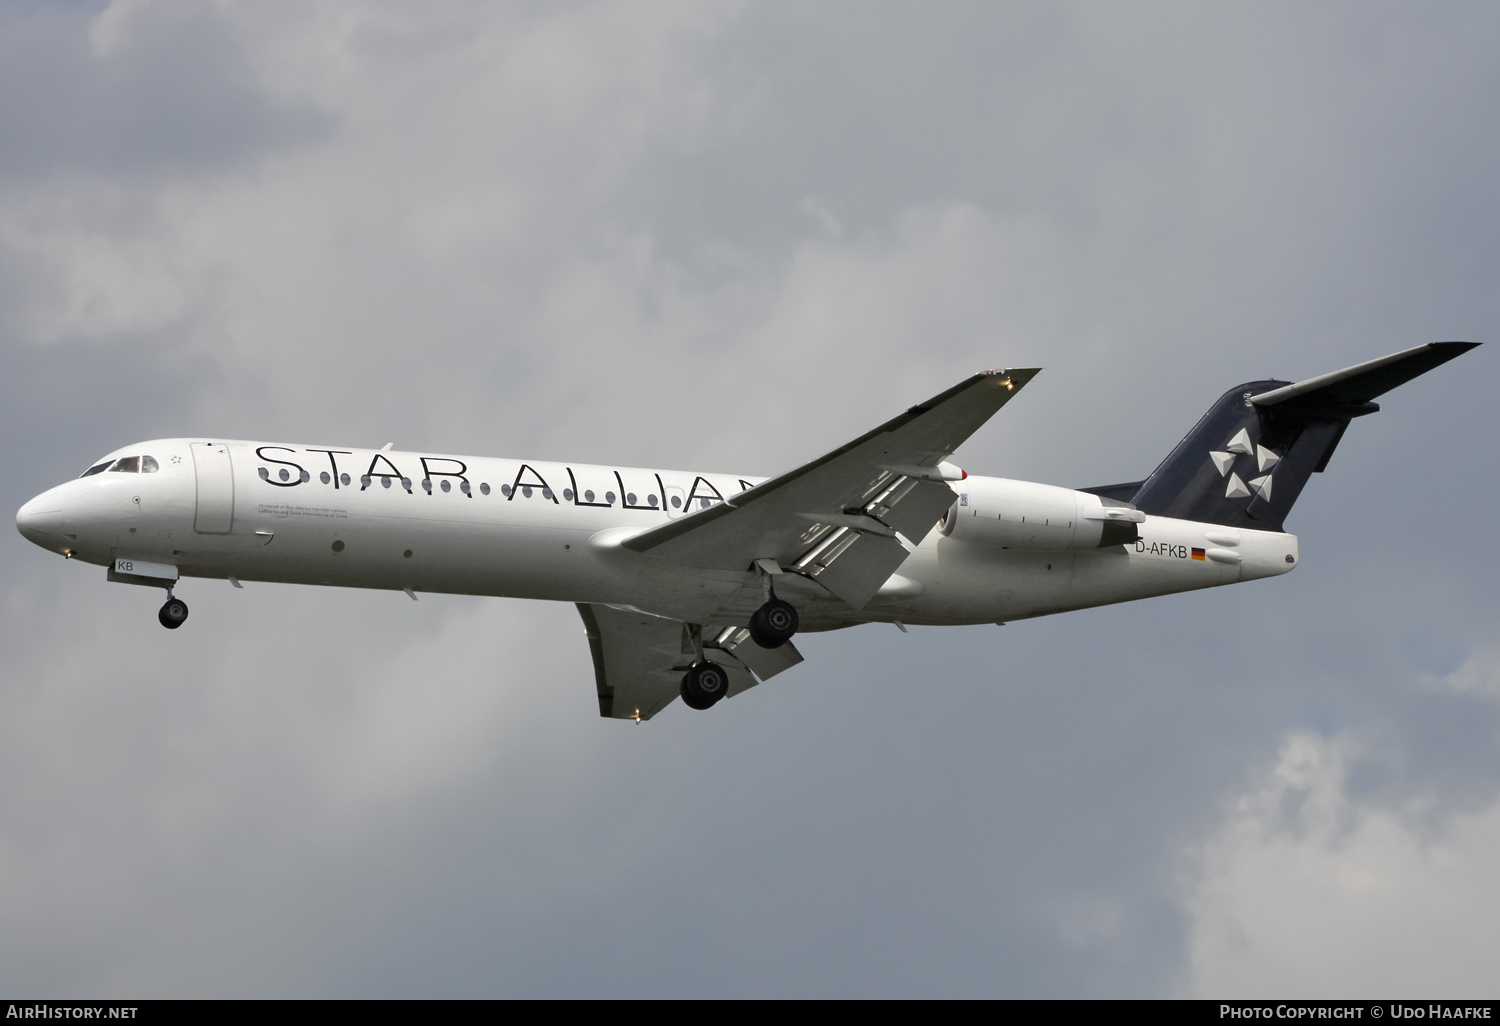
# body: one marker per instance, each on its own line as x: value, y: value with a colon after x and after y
x: 773, y: 624
x: 173, y: 614
x: 704, y: 685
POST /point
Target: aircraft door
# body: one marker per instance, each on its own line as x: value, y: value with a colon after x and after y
x: 215, y: 476
x: 676, y: 500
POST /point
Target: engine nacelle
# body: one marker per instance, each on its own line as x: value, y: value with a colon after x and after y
x: 1036, y: 517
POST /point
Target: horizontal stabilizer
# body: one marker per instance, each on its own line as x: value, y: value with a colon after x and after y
x: 1342, y: 391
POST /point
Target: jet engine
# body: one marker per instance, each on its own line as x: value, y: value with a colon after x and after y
x: 1036, y: 517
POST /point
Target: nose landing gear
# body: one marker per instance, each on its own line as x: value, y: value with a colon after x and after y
x: 173, y: 614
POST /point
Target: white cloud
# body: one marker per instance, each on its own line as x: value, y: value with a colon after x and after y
x: 1308, y: 891
x: 1479, y: 675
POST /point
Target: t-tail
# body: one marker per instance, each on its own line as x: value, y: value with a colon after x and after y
x: 1245, y: 462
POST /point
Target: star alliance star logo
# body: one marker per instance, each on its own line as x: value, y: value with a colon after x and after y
x: 1265, y: 459
x: 176, y: 459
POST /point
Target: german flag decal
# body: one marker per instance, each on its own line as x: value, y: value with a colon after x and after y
x: 1198, y: 554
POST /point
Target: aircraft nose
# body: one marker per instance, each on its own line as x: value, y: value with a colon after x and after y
x: 41, y: 520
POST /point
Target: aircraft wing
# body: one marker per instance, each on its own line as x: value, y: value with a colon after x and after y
x: 837, y: 519
x: 639, y: 659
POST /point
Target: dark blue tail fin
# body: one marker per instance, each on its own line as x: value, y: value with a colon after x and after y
x: 1245, y: 462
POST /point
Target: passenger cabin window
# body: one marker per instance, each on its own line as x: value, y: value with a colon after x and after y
x: 126, y: 465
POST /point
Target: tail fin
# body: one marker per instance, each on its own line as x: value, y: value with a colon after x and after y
x: 1245, y: 462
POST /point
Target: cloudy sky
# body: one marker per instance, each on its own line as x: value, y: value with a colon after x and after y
x: 731, y: 237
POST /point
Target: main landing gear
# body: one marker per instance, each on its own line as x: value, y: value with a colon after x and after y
x: 173, y: 614
x: 773, y: 624
x: 704, y: 684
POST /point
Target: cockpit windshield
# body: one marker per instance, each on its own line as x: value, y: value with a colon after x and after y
x: 125, y: 465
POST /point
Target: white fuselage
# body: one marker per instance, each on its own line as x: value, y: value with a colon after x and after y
x: 480, y: 526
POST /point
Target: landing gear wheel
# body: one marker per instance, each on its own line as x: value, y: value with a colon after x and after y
x: 704, y: 684
x: 773, y: 624
x: 173, y: 614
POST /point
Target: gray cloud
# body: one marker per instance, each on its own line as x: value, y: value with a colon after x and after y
x: 174, y: 98
x: 734, y: 237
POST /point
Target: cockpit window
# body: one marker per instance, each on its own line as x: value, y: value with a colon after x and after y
x: 125, y: 465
